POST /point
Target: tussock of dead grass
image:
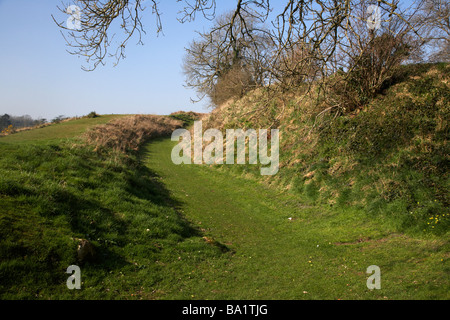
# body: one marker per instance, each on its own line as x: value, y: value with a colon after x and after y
x: 129, y: 133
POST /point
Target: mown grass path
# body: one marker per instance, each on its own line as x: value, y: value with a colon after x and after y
x: 274, y: 247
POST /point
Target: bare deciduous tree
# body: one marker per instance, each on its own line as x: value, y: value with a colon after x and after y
x: 92, y: 39
x: 223, y: 64
x: 370, y: 57
x: 316, y: 23
x: 234, y: 84
x: 434, y: 19
x: 306, y: 39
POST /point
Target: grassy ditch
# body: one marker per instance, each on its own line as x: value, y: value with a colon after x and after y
x: 388, y: 158
x: 57, y: 192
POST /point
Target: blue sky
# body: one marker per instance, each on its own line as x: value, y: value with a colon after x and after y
x: 39, y: 78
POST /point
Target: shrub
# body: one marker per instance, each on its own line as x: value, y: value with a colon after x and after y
x: 234, y: 84
x: 58, y: 119
x: 8, y: 130
x: 93, y: 114
x: 370, y: 70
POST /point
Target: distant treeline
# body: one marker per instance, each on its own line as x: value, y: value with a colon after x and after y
x: 19, y: 122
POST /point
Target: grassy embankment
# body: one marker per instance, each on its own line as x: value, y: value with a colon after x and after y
x: 388, y: 158
x: 56, y: 190
x: 275, y: 246
x: 195, y: 232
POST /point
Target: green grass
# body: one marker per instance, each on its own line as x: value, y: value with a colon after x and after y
x: 389, y: 158
x: 163, y: 231
x: 321, y: 253
x: 57, y: 131
x: 56, y: 190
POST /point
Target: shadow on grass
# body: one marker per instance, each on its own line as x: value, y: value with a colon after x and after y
x: 76, y: 193
x: 159, y: 194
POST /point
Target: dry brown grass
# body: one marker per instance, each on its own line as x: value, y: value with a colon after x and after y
x: 129, y: 133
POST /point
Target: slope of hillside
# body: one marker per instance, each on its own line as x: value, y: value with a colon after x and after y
x: 141, y: 227
x: 65, y: 129
x: 390, y: 158
x: 276, y: 247
x: 63, y: 203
